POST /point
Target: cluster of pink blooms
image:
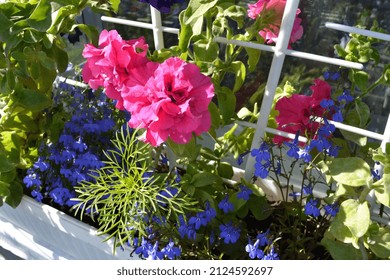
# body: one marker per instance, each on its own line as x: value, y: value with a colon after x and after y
x: 169, y: 99
x: 274, y: 9
x: 297, y: 111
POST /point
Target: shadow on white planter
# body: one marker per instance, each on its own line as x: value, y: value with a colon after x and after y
x: 35, y: 231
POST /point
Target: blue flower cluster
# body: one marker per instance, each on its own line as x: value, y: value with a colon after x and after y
x: 163, y: 6
x: 68, y: 160
x: 256, y: 250
x: 295, y: 149
x: 151, y: 251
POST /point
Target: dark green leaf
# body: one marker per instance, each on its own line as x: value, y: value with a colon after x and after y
x: 226, y: 104
x: 225, y: 170
x: 16, y: 194
x: 31, y: 100
x: 5, y: 164
x: 91, y: 32
x: 259, y: 207
x: 361, y: 79
x: 204, y: 179
x: 40, y: 19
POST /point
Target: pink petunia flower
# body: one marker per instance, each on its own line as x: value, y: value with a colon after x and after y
x: 274, y: 9
x: 296, y: 112
x: 109, y: 65
x: 169, y: 100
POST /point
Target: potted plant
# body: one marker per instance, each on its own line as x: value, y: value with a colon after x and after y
x: 166, y: 185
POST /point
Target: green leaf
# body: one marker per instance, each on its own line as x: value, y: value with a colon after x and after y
x: 91, y: 32
x: 16, y: 194
x: 382, y: 192
x: 5, y: 24
x: 227, y: 104
x: 199, y: 11
x: 259, y: 207
x: 191, y: 21
x: 355, y: 138
x: 31, y: 100
x: 115, y: 5
x: 379, y: 243
x: 238, y: 68
x: 4, y: 189
x: 215, y: 115
x: 206, y: 50
x: 204, y: 179
x: 40, y: 19
x: 61, y: 58
x: 10, y: 143
x: 235, y: 12
x: 5, y: 164
x: 238, y: 203
x: 8, y: 177
x: 339, y: 250
x: 352, y: 221
x: 225, y: 170
x: 352, y: 171
x: 361, y: 79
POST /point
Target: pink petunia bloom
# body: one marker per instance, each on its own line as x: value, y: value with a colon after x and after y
x: 296, y: 112
x: 109, y: 65
x: 172, y: 103
x: 274, y: 9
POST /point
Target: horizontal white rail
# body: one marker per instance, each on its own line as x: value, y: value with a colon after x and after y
x: 355, y: 30
x: 293, y: 53
x: 139, y: 24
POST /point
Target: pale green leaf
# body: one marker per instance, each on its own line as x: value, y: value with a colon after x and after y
x: 352, y: 171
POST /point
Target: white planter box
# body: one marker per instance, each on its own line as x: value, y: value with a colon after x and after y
x: 37, y: 231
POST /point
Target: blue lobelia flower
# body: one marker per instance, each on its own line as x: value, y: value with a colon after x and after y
x: 253, y: 250
x: 293, y: 151
x: 164, y: 6
x: 244, y: 193
x: 229, y: 233
x: 209, y: 213
x: 311, y: 208
x: 186, y: 229
x: 154, y: 253
x: 333, y: 76
x: 345, y: 97
x: 197, y: 221
x: 143, y: 249
x: 262, y: 154
x: 272, y: 255
x: 37, y: 195
x: 240, y: 159
x: 171, y: 251
x: 262, y: 169
x: 331, y: 209
x: 307, y: 189
x: 225, y: 205
x: 305, y: 153
x: 263, y: 238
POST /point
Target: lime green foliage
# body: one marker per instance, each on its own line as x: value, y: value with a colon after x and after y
x: 125, y: 194
x: 353, y: 224
x: 32, y: 54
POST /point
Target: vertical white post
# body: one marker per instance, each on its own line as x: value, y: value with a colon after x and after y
x: 273, y: 79
x: 157, y: 28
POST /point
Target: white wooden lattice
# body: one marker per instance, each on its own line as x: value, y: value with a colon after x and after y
x: 280, y: 50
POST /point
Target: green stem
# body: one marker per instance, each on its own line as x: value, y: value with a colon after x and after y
x: 363, y: 250
x: 363, y: 195
x: 373, y: 86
